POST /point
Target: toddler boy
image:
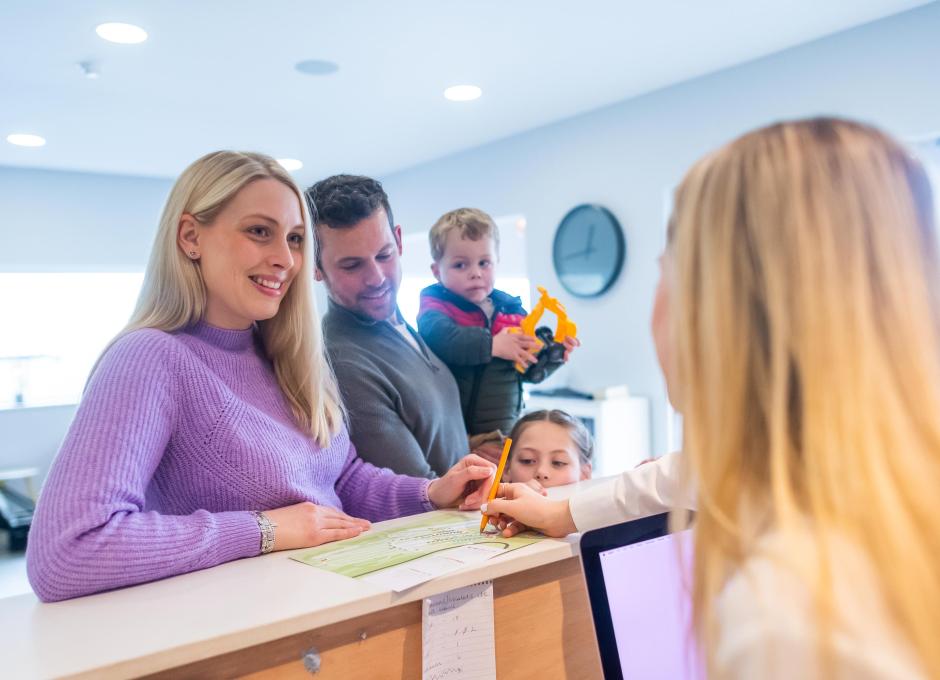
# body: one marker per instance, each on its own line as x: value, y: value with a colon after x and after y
x: 466, y: 321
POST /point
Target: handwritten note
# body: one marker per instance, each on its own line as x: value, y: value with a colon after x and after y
x: 458, y: 639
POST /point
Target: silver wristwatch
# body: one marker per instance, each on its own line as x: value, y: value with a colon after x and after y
x: 267, y: 531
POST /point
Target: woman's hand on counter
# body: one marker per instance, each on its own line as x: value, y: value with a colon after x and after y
x: 305, y: 525
x: 464, y: 485
x: 519, y: 507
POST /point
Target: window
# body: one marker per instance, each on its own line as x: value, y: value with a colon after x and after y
x: 55, y: 326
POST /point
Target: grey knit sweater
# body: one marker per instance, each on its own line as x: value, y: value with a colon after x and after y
x: 403, y: 403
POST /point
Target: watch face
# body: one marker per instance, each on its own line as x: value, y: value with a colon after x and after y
x: 589, y: 250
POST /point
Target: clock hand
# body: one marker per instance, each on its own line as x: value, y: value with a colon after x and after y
x: 590, y: 243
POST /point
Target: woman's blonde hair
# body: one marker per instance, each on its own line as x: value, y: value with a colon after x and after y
x: 174, y: 293
x: 806, y: 317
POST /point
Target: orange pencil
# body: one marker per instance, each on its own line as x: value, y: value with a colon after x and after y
x: 503, y: 457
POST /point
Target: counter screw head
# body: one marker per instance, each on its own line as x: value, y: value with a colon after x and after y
x: 311, y: 660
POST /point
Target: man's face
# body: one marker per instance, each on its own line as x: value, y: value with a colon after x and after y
x: 361, y: 266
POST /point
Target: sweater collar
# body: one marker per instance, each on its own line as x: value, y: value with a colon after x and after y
x: 223, y: 338
x: 351, y: 318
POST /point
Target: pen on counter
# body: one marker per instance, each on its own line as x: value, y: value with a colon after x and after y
x: 503, y: 457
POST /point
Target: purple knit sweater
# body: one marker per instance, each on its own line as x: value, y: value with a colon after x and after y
x: 179, y: 436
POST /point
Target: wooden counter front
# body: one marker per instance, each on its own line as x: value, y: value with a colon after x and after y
x: 543, y: 630
x: 260, y: 616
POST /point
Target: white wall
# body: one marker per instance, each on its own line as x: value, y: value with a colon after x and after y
x: 52, y: 221
x: 628, y: 156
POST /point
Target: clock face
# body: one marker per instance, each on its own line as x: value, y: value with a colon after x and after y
x: 589, y: 250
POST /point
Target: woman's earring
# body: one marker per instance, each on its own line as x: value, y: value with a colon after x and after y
x: 193, y: 254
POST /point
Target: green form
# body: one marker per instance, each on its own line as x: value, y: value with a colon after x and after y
x: 421, y: 537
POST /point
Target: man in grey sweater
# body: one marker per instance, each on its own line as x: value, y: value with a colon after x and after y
x: 403, y: 403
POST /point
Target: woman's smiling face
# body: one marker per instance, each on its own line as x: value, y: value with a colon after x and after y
x: 250, y: 253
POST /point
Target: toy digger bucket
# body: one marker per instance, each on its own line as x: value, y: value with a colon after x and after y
x: 565, y: 327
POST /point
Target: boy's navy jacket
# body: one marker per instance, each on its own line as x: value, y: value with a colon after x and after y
x: 459, y: 333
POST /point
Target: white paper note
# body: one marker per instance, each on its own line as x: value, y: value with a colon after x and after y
x: 404, y: 576
x: 458, y: 639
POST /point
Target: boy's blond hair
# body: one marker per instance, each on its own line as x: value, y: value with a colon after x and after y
x: 471, y: 223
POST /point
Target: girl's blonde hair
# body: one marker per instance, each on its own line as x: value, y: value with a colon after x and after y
x: 580, y: 435
x: 806, y: 316
x: 174, y: 293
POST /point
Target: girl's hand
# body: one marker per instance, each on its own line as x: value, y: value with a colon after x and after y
x: 466, y: 484
x: 519, y: 507
x: 305, y: 525
x: 535, y: 485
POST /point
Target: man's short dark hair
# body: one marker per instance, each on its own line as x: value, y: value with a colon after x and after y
x: 342, y: 201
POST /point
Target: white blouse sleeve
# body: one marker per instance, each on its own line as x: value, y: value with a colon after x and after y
x: 646, y: 490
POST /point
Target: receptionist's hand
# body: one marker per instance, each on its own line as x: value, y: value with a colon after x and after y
x: 519, y: 507
x: 304, y: 525
x: 465, y: 485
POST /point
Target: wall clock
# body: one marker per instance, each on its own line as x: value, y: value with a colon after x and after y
x: 589, y: 250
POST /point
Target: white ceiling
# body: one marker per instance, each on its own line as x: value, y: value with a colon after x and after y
x: 219, y: 74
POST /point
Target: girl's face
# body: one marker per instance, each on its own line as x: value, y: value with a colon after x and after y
x: 249, y: 254
x: 544, y: 452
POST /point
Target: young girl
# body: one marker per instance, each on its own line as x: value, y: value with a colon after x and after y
x: 551, y: 447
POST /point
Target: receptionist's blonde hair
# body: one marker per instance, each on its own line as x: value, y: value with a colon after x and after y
x: 807, y: 325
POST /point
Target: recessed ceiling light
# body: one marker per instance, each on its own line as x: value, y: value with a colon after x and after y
x: 126, y: 34
x: 316, y: 67
x: 463, y: 93
x: 21, y: 139
x: 290, y: 164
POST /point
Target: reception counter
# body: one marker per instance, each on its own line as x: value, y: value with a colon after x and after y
x: 273, y: 617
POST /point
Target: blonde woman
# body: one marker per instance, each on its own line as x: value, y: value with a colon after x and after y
x: 801, y: 342
x: 211, y: 429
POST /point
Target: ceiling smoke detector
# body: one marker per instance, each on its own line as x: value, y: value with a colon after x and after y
x: 89, y: 69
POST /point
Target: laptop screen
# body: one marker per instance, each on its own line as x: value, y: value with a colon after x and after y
x: 638, y: 578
